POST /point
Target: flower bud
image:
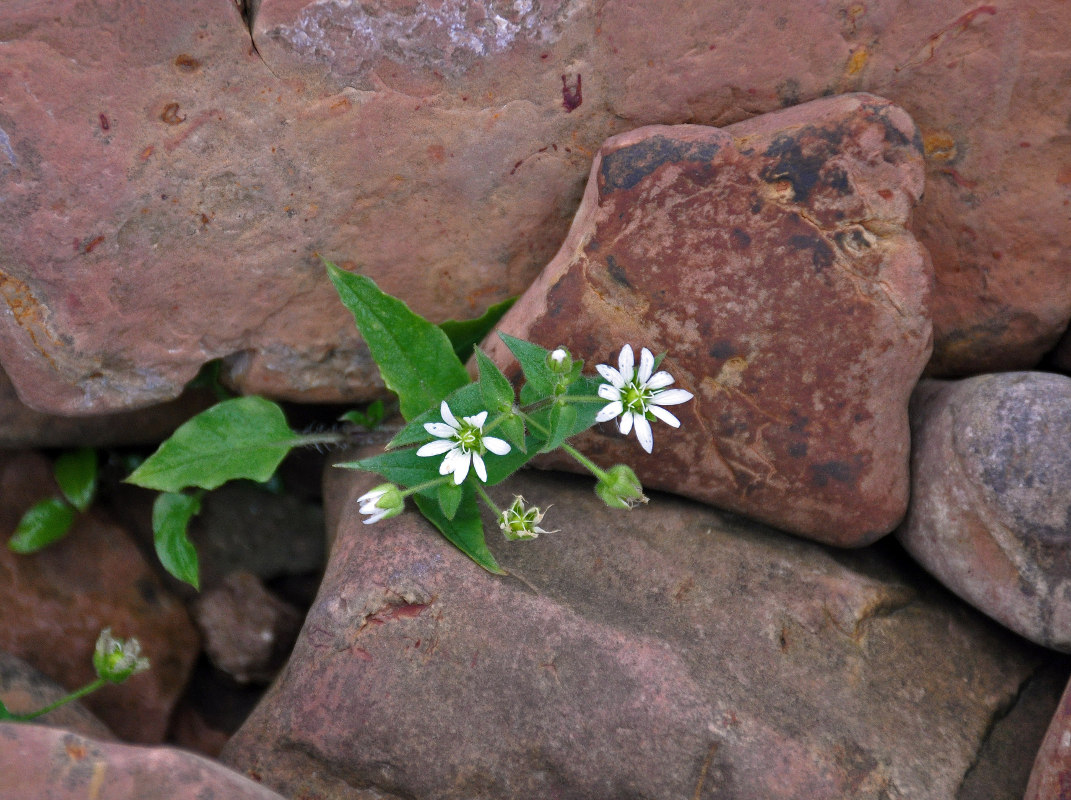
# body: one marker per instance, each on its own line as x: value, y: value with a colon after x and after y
x: 518, y: 522
x: 116, y: 660
x: 383, y: 502
x: 559, y: 361
x: 620, y: 488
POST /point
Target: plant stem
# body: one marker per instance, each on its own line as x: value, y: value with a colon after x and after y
x: 487, y: 499
x: 318, y: 438
x: 426, y: 485
x: 75, y: 695
x: 594, y: 468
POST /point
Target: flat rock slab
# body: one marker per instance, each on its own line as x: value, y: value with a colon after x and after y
x: 24, y: 690
x: 770, y: 260
x: 150, y: 225
x: 990, y: 509
x: 39, y: 763
x: 55, y: 603
x: 1051, y: 777
x: 671, y: 651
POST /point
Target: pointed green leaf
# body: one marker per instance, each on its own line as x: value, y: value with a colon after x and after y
x: 468, y: 333
x: 403, y: 467
x: 369, y: 418
x: 76, y: 474
x: 561, y: 421
x: 512, y: 430
x: 6, y: 715
x: 450, y: 495
x: 533, y: 361
x: 46, y: 522
x: 415, y: 358
x: 246, y: 437
x: 171, y: 515
x: 463, y: 402
x: 495, y: 389
x: 464, y: 531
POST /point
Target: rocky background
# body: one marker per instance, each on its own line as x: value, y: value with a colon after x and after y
x: 847, y: 223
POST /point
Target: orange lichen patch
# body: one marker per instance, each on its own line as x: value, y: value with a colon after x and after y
x: 939, y: 146
x: 857, y: 61
x: 28, y: 312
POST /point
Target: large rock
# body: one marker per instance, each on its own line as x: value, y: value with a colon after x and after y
x: 24, y: 690
x: 55, y: 603
x: 1051, y: 776
x: 39, y: 763
x: 672, y: 651
x: 990, y: 515
x: 151, y: 224
x: 769, y: 259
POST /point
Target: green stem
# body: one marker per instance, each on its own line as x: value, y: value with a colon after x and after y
x: 75, y: 695
x: 427, y: 485
x: 317, y: 438
x: 530, y: 421
x: 594, y: 468
x: 487, y: 499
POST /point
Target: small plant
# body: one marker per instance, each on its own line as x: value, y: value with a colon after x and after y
x: 114, y: 661
x: 51, y: 519
x: 460, y: 436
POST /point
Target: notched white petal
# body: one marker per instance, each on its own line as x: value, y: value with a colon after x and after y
x: 436, y: 448
x: 646, y: 365
x: 660, y: 380
x: 499, y: 447
x: 608, y: 392
x: 461, y: 465
x: 625, y: 362
x: 478, y: 465
x: 439, y: 429
x: 610, y: 411
x: 625, y: 425
x: 671, y: 397
x: 665, y: 416
x: 643, y: 433
x: 477, y: 420
x: 610, y: 374
x: 448, y: 416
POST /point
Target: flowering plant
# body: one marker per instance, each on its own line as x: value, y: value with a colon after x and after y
x: 460, y: 436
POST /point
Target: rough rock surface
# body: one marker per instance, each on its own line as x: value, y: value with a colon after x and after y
x: 769, y: 259
x: 23, y: 690
x: 990, y: 513
x: 39, y: 763
x: 247, y: 631
x: 149, y: 225
x: 1051, y: 777
x: 55, y: 603
x: 672, y: 651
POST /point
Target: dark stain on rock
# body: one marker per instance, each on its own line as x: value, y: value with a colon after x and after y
x: 788, y: 92
x: 170, y: 114
x: 797, y: 449
x: 821, y: 252
x: 723, y: 349
x: 839, y: 471
x: 572, y: 96
x: 852, y: 239
x: 790, y: 164
x: 617, y: 272
x: 626, y: 167
x: 837, y: 179
x: 741, y: 239
x: 187, y: 63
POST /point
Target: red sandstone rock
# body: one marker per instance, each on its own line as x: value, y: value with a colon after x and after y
x: 24, y: 690
x: 166, y: 187
x: 670, y: 651
x: 57, y: 601
x: 991, y: 480
x: 770, y: 261
x: 38, y: 763
x: 1051, y: 778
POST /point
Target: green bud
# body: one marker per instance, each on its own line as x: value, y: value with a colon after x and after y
x: 620, y: 488
x: 518, y: 522
x: 383, y: 502
x: 116, y: 660
x: 559, y: 361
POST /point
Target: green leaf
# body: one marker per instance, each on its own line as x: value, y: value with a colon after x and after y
x: 463, y: 402
x: 495, y: 389
x: 533, y: 361
x: 403, y: 467
x: 450, y: 498
x: 415, y: 357
x: 465, y: 530
x: 468, y: 333
x: 561, y: 421
x: 171, y: 515
x: 246, y: 437
x: 46, y: 522
x: 369, y: 418
x: 6, y: 715
x: 76, y: 474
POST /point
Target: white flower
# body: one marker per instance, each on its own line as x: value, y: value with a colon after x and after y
x: 115, y: 660
x: 638, y: 396
x: 463, y: 442
x: 520, y: 522
x: 381, y: 503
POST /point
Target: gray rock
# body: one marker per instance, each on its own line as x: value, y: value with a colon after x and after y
x: 990, y: 512
x: 671, y: 651
x: 23, y: 690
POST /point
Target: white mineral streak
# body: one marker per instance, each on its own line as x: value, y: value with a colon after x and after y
x: 352, y: 36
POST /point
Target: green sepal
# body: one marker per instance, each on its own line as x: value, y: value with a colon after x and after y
x: 171, y: 515
x: 466, y: 334
x: 76, y: 474
x: 415, y: 357
x: 246, y: 437
x: 465, y: 530
x: 46, y: 522
x: 449, y: 496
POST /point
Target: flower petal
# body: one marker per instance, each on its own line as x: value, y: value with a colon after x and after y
x: 625, y: 362
x: 659, y: 380
x: 436, y: 448
x: 646, y: 365
x: 461, y: 466
x: 665, y: 416
x: 671, y: 397
x: 610, y: 411
x: 499, y: 447
x: 610, y: 374
x: 625, y: 425
x: 608, y: 392
x: 478, y: 465
x: 448, y: 416
x: 478, y: 420
x: 440, y: 429
x: 382, y: 512
x: 450, y: 462
x: 643, y: 433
